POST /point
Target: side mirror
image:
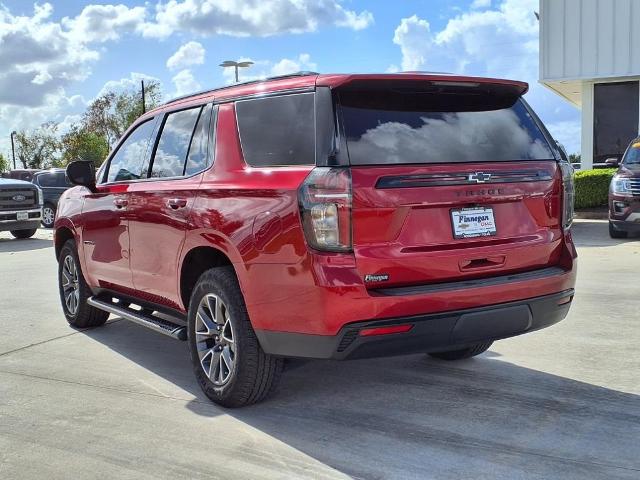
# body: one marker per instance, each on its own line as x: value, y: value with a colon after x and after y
x: 82, y: 173
x: 613, y: 162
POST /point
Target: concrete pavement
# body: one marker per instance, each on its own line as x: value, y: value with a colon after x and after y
x: 121, y: 402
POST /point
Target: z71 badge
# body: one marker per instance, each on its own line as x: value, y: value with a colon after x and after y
x: 381, y: 277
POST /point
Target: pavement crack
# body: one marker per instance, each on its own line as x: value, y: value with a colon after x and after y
x: 19, y: 349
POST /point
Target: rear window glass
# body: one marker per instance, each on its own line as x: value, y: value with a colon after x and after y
x: 277, y: 130
x: 407, y: 130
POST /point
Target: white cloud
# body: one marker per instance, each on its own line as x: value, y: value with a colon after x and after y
x: 191, y: 53
x: 477, y: 4
x: 38, y: 57
x: 185, y: 83
x: 267, y: 68
x: 100, y: 23
x: 497, y: 42
x: 250, y: 17
x: 132, y: 82
x: 568, y: 133
x: 415, y: 40
x: 286, y: 65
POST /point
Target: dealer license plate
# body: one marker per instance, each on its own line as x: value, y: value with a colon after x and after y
x: 473, y: 222
x: 22, y: 216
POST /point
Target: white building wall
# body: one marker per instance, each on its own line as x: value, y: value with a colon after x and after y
x: 589, y: 39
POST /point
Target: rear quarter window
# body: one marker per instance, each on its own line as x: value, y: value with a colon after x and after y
x: 277, y: 131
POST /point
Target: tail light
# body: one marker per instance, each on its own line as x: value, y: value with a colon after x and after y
x: 568, y: 194
x: 325, y: 207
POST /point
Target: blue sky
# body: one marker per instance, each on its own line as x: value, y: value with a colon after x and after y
x: 56, y: 57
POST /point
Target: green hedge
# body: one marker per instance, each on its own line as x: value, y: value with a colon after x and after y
x: 592, y: 187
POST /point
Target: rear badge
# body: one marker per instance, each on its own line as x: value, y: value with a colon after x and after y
x: 382, y: 277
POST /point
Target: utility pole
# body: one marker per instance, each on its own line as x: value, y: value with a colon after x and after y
x: 144, y: 107
x: 13, y: 149
x: 236, y: 65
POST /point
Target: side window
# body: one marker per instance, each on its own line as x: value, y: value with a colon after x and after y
x: 61, y: 180
x: 199, y: 155
x: 127, y: 163
x: 277, y: 130
x: 45, y: 180
x: 173, y: 146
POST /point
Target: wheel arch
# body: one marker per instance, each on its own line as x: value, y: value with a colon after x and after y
x: 195, y: 262
x: 62, y: 235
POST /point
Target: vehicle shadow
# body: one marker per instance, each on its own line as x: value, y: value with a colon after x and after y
x: 23, y: 245
x: 595, y: 233
x: 415, y: 417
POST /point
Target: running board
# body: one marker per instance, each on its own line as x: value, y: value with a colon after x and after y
x: 150, y: 321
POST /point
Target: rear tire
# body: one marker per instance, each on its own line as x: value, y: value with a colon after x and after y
x: 48, y: 215
x: 24, y: 233
x: 228, y: 362
x: 74, y: 291
x: 613, y: 233
x: 463, y: 353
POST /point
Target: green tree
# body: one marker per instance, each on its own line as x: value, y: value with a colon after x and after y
x: 39, y: 148
x: 81, y: 144
x: 4, y: 164
x: 112, y: 113
x: 574, y: 158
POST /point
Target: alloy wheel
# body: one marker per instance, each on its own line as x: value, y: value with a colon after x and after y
x: 48, y: 216
x: 70, y: 284
x: 215, y: 340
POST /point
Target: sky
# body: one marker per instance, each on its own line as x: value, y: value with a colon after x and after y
x: 57, y: 56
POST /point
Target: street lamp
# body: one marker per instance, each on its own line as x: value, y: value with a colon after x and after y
x: 13, y: 149
x: 236, y: 65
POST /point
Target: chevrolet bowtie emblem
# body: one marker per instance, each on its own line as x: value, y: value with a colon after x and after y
x: 479, y: 177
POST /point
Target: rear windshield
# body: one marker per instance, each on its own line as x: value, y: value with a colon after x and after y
x: 411, y: 129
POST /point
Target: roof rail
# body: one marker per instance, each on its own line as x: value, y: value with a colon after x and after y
x: 303, y: 73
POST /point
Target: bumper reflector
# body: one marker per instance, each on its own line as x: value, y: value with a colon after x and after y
x: 368, y: 332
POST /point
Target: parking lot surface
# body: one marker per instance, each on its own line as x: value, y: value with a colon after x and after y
x: 121, y: 402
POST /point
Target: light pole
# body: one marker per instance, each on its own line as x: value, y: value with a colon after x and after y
x: 236, y: 65
x: 13, y: 149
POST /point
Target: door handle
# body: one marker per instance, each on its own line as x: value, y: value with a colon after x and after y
x: 177, y: 203
x: 121, y: 202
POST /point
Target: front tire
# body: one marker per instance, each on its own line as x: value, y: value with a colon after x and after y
x: 613, y: 233
x: 48, y: 215
x: 463, y: 353
x: 24, y: 233
x: 228, y: 362
x: 74, y: 291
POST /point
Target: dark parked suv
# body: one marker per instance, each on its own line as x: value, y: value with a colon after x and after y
x: 324, y: 216
x: 624, y: 194
x: 53, y: 183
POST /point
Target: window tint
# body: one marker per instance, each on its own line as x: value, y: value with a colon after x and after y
x: 198, y: 158
x: 57, y: 180
x: 173, y: 145
x: 277, y: 130
x: 408, y: 131
x: 128, y: 161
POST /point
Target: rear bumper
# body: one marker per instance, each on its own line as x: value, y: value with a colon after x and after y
x: 428, y: 333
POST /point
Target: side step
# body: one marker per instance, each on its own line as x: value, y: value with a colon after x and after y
x: 150, y: 321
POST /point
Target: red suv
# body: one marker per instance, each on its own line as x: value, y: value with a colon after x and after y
x: 324, y: 216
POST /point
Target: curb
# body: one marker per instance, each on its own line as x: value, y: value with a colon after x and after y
x: 592, y: 214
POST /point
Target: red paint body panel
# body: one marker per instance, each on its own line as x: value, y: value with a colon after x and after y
x: 252, y: 216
